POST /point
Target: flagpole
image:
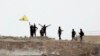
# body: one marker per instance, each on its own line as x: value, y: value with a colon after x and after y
x: 24, y: 18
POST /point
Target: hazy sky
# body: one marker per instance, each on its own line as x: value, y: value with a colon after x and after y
x: 68, y: 14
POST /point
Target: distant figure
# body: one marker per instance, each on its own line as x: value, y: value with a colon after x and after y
x: 41, y: 32
x: 44, y: 28
x: 81, y: 34
x: 73, y: 34
x: 33, y: 29
x: 59, y: 32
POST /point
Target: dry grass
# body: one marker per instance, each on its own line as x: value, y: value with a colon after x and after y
x: 92, y: 39
x: 50, y: 46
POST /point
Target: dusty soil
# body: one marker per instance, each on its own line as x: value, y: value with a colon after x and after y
x: 13, y: 46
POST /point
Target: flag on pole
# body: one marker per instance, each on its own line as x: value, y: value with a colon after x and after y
x: 24, y: 18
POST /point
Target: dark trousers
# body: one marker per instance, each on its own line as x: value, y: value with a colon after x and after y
x: 81, y: 38
x: 59, y: 36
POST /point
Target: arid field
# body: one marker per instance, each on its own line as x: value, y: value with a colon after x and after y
x: 41, y: 46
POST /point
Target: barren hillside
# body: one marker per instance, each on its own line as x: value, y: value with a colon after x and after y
x: 92, y: 39
x: 12, y: 46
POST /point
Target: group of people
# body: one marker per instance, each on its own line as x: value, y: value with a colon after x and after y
x: 81, y: 33
x: 33, y: 29
x: 43, y: 29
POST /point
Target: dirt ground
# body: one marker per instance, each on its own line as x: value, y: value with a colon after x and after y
x: 25, y: 46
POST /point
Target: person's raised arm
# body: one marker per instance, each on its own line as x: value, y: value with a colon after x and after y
x: 40, y: 25
x: 48, y: 25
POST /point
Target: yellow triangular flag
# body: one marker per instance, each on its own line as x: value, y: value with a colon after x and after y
x: 24, y: 18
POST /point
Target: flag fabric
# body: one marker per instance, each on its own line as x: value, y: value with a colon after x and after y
x: 24, y: 18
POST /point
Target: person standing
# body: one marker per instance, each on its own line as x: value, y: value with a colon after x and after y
x: 59, y: 32
x: 81, y: 33
x: 44, y: 27
x: 34, y: 30
x: 41, y: 32
x: 31, y: 30
x: 73, y: 34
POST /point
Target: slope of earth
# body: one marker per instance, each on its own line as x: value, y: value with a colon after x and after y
x: 13, y: 46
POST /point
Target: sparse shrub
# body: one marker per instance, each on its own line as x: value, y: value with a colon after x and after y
x: 95, y: 51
